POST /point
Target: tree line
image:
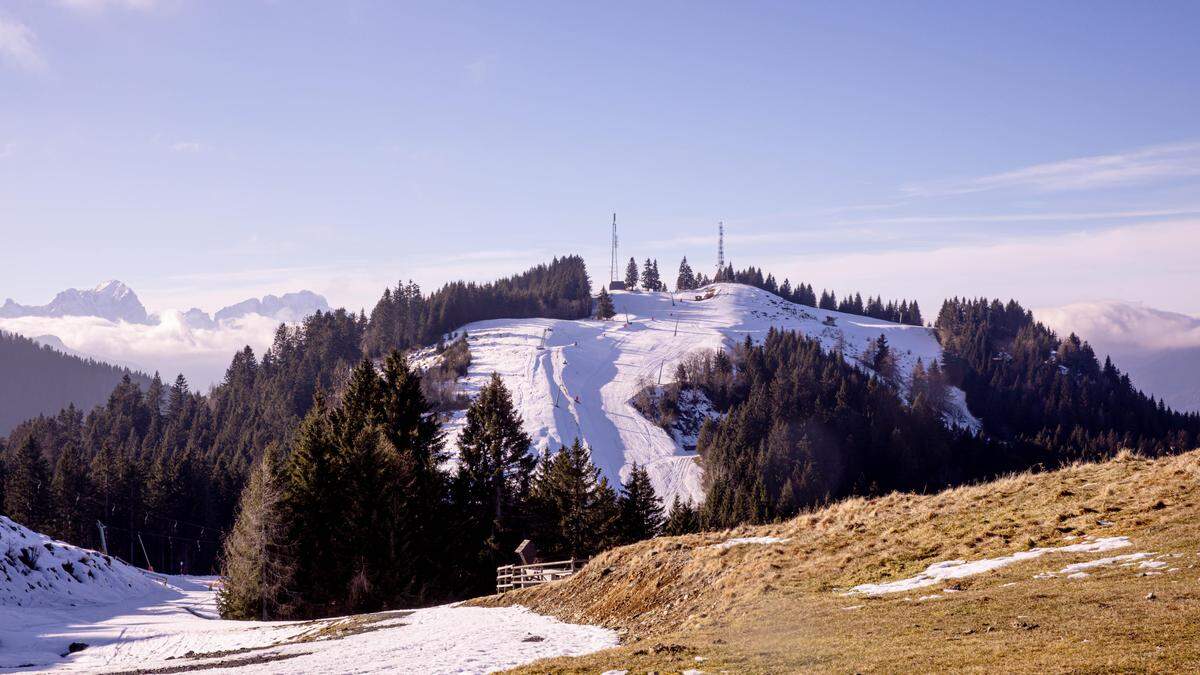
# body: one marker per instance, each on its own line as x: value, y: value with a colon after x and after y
x: 801, y: 426
x: 1030, y: 386
x: 906, y: 312
x: 362, y: 513
x: 404, y: 318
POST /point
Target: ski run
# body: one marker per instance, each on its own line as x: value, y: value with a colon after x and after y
x: 576, y: 379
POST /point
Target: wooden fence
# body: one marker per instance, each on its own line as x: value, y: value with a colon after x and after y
x: 509, y: 577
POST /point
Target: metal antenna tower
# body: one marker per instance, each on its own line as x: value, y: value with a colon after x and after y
x: 612, y: 271
x: 720, y: 246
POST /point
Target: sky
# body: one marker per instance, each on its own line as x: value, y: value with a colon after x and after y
x: 208, y: 151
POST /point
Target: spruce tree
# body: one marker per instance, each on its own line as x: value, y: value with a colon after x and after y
x: 881, y: 359
x: 257, y: 564
x: 604, y: 305
x: 70, y: 491
x: 27, y: 488
x: 415, y: 487
x: 631, y: 275
x: 177, y: 398
x: 492, y: 484
x: 686, y: 280
x: 312, y: 499
x: 641, y: 508
x: 683, y: 518
x: 649, y: 276
x: 576, y: 511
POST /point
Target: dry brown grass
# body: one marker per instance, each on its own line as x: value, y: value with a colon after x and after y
x: 780, y: 607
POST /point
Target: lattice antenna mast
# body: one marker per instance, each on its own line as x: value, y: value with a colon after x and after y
x: 720, y: 246
x: 612, y: 270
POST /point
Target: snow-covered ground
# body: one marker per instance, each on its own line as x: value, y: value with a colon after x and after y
x: 576, y: 378
x: 131, y: 620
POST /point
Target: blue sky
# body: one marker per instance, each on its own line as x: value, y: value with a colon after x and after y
x: 203, y: 152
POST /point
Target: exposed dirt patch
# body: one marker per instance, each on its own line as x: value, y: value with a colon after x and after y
x: 255, y: 660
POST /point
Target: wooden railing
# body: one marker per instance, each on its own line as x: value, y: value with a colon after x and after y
x: 509, y: 577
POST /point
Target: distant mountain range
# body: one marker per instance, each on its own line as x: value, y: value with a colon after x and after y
x: 110, y: 300
x: 110, y: 324
x: 289, y: 307
x: 114, y: 301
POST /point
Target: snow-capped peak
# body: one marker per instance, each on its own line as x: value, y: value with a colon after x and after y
x: 113, y: 289
x: 110, y: 300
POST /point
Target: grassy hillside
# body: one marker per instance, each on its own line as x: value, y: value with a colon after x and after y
x: 687, y: 602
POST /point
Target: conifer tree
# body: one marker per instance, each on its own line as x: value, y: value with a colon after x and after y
x: 650, y: 279
x: 415, y: 487
x: 683, y: 518
x: 686, y: 280
x: 576, y: 509
x: 881, y: 359
x: 641, y: 508
x: 27, y: 487
x: 312, y: 499
x: 177, y: 398
x: 631, y: 275
x: 604, y: 305
x: 257, y: 562
x: 492, y: 484
x: 69, y: 487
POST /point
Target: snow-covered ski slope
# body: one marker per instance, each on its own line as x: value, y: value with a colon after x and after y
x: 53, y: 595
x: 574, y: 379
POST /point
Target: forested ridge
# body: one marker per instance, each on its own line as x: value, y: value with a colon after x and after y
x: 405, y: 318
x: 905, y: 312
x: 38, y: 378
x: 801, y: 426
x: 1031, y: 386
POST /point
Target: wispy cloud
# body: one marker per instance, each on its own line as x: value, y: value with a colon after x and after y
x: 819, y: 234
x: 1044, y: 217
x: 1158, y: 162
x: 481, y: 69
x: 18, y: 46
x: 187, y: 147
x: 101, y: 5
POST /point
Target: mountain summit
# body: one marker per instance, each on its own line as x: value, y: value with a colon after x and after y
x: 115, y: 301
x: 110, y: 300
x: 290, y: 307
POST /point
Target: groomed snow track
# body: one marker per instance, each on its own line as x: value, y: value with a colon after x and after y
x: 576, y: 379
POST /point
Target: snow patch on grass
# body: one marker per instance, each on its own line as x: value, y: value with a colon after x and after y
x: 738, y: 541
x: 957, y: 569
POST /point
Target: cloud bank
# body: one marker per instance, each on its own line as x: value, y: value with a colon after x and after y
x: 1120, y: 326
x: 170, y: 347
